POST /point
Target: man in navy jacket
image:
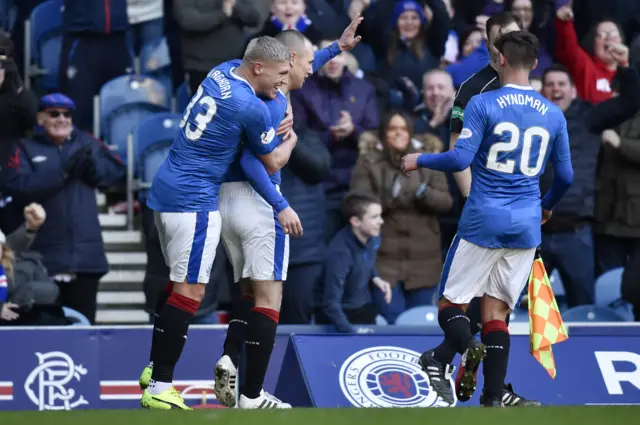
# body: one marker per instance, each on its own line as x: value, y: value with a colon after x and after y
x: 60, y: 168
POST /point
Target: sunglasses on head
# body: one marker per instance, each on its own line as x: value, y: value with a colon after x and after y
x: 56, y: 114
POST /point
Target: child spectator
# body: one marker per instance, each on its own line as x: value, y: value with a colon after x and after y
x: 349, y: 270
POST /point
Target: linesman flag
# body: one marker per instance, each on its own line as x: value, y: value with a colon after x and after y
x: 545, y: 322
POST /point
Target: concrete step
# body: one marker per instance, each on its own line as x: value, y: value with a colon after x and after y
x: 117, y: 286
x: 121, y: 298
x: 121, y: 237
x: 122, y: 317
x: 134, y: 258
x: 112, y: 220
x: 123, y: 276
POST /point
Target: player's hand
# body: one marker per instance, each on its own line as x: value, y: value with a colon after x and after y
x: 565, y: 13
x: 287, y: 122
x: 546, y: 215
x: 34, y: 216
x: 410, y: 163
x: 611, y: 138
x: 290, y: 222
x: 620, y: 53
x: 348, y: 40
x: 290, y: 137
x: 385, y: 287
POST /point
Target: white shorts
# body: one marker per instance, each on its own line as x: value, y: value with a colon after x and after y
x: 189, y: 241
x: 255, y: 242
x: 471, y: 271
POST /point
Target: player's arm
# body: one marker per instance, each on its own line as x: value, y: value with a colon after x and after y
x: 259, y: 179
x: 323, y: 56
x: 466, y: 146
x: 563, y: 169
x: 261, y: 137
x: 462, y: 178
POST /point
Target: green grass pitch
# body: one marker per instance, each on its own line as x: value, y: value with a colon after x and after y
x: 579, y: 415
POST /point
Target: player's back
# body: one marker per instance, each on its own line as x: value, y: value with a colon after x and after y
x: 520, y: 130
x: 208, y: 141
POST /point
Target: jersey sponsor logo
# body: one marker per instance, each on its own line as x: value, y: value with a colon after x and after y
x: 387, y: 377
x: 267, y: 136
x: 457, y: 113
x: 465, y: 133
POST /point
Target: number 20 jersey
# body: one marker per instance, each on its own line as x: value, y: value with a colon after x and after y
x: 512, y: 131
x: 223, y: 114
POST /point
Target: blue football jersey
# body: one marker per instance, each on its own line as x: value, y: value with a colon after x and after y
x: 222, y: 115
x: 277, y: 109
x: 512, y: 132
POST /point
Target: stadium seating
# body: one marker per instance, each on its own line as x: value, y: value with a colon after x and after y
x: 42, y: 44
x: 608, y: 293
x: 519, y: 315
x: 7, y: 14
x: 148, y: 143
x: 423, y: 315
x: 122, y: 104
x: 381, y: 321
x: 591, y: 313
x: 156, y: 62
x: 78, y: 319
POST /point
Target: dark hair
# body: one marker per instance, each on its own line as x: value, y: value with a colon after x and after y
x: 6, y: 45
x: 355, y: 204
x: 556, y: 67
x: 502, y: 20
x: 589, y: 40
x: 463, y: 38
x: 386, y: 119
x: 293, y: 39
x: 520, y: 48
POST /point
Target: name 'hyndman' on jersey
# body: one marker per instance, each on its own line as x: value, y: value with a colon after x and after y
x: 511, y: 99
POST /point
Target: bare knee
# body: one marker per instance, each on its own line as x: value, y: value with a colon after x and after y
x: 192, y: 291
x: 246, y: 287
x: 494, y: 309
x: 268, y: 294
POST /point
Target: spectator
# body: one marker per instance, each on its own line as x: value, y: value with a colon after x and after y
x: 290, y: 14
x: 18, y: 105
x: 60, y: 167
x: 592, y: 69
x: 432, y: 117
x: 302, y: 177
x: 408, y: 44
x: 567, y: 242
x: 338, y: 106
x: 474, y: 55
x: 409, y: 256
x: 31, y: 296
x: 91, y: 28
x: 349, y: 268
x: 205, y: 24
x: 146, y: 21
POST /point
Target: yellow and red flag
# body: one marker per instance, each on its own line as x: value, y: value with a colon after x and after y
x: 545, y: 322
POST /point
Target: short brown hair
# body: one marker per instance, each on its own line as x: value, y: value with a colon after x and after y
x: 519, y: 48
x: 355, y: 204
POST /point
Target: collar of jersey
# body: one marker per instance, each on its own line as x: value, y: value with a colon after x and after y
x: 237, y: 77
x: 515, y: 86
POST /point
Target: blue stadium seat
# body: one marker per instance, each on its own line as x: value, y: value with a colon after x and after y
x: 381, y: 321
x: 608, y: 293
x: 591, y: 313
x: 43, y: 40
x: 183, y: 97
x: 123, y: 103
x: 423, y: 315
x: 77, y: 318
x: 156, y: 62
x: 151, y: 140
x: 519, y: 315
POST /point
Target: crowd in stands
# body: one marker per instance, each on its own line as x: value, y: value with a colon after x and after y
x: 355, y: 119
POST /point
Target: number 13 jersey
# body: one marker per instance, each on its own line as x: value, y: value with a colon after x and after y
x: 512, y: 131
x: 223, y: 114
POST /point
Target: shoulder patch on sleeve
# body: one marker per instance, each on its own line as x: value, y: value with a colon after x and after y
x: 465, y: 134
x: 267, y: 136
